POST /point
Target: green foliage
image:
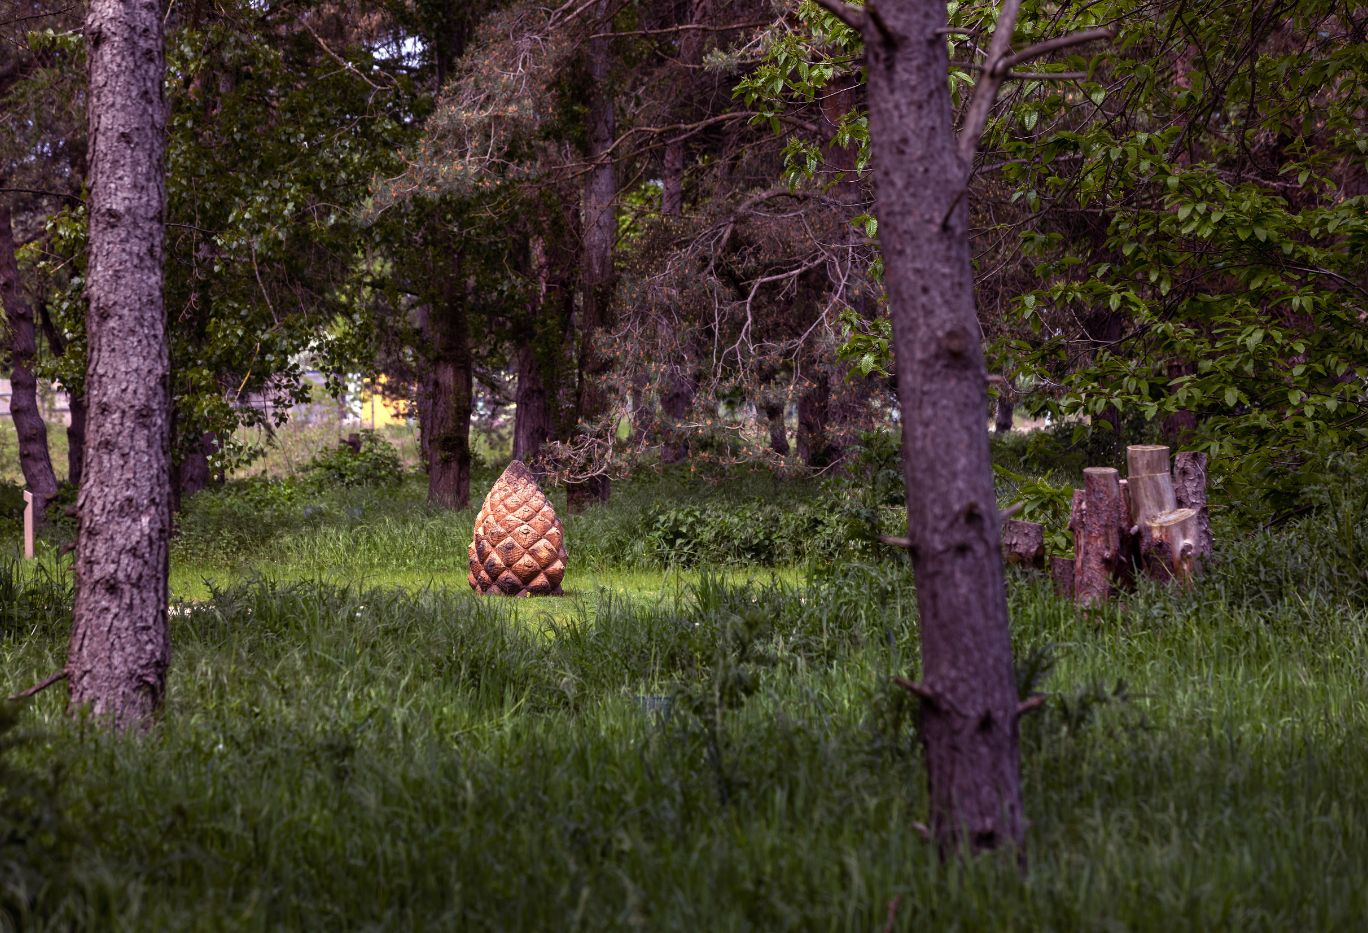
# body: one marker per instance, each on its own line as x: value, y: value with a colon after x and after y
x: 377, y: 463
x: 33, y: 833
x: 34, y: 596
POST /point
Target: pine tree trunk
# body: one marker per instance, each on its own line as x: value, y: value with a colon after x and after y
x: 969, y: 698
x: 600, y: 235
x: 120, y: 645
x: 34, y: 458
x: 450, y: 389
x: 532, y: 418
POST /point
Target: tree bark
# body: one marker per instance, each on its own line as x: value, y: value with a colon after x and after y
x: 76, y: 434
x: 120, y: 646
x: 1002, y: 414
x: 814, y: 411
x: 532, y: 418
x: 1023, y: 543
x: 600, y: 235
x: 192, y: 473
x: 1189, y: 489
x: 1098, y: 550
x: 778, y: 431
x: 34, y: 458
x: 449, y: 386
x: 674, y: 408
x: 969, y: 698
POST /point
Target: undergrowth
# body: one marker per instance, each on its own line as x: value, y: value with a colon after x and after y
x: 728, y: 755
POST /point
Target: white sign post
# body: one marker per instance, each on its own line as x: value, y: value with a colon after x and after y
x: 28, y: 525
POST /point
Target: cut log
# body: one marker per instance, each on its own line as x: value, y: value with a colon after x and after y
x: 1189, y: 487
x: 1062, y: 573
x: 1174, y: 537
x: 1150, y: 486
x: 1146, y: 459
x: 1023, y: 543
x: 1097, y: 539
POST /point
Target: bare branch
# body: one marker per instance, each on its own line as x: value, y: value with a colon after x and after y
x: 1032, y: 52
x: 39, y: 687
x: 986, y: 90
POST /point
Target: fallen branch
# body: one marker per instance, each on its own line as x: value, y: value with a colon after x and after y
x: 39, y: 687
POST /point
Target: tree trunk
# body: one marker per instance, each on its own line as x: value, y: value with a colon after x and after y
x: 814, y: 410
x: 75, y: 401
x: 778, y: 431
x: 532, y: 413
x: 674, y: 408
x: 532, y: 417
x: 120, y: 645
x: 192, y: 473
x: 1002, y: 414
x: 600, y: 235
x: 1023, y: 543
x: 969, y: 697
x: 449, y: 386
x: 76, y: 433
x: 34, y: 459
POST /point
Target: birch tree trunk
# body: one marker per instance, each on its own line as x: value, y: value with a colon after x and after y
x: 120, y: 646
x: 34, y: 458
x: 969, y: 698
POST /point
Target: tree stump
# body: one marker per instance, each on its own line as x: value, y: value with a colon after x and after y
x: 1150, y: 486
x: 1175, y: 539
x: 1189, y: 486
x: 518, y: 548
x: 1097, y: 536
x: 1023, y: 543
x: 1062, y: 573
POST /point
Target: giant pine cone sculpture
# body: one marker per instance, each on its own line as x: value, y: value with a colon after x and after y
x: 519, y: 543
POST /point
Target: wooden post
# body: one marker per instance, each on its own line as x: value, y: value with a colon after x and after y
x: 1097, y: 549
x: 28, y: 525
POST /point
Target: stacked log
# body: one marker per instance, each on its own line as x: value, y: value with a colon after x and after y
x: 1155, y: 522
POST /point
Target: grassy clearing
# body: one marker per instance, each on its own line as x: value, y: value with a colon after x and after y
x: 687, y: 751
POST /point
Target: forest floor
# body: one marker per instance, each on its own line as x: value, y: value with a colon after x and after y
x: 352, y: 740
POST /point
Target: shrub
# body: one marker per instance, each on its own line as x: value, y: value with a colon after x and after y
x: 377, y: 463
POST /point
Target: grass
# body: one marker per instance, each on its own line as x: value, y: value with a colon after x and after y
x: 354, y: 741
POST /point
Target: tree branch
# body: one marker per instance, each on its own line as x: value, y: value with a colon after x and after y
x: 852, y: 16
x: 986, y: 90
x: 1053, y: 45
x: 39, y: 687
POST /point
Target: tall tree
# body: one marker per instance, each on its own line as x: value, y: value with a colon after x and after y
x: 600, y: 237
x: 120, y: 646
x: 970, y: 707
x: 34, y: 459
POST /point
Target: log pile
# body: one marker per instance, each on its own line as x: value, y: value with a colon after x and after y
x: 1154, y: 522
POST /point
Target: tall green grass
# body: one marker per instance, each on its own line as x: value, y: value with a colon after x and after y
x: 721, y: 750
